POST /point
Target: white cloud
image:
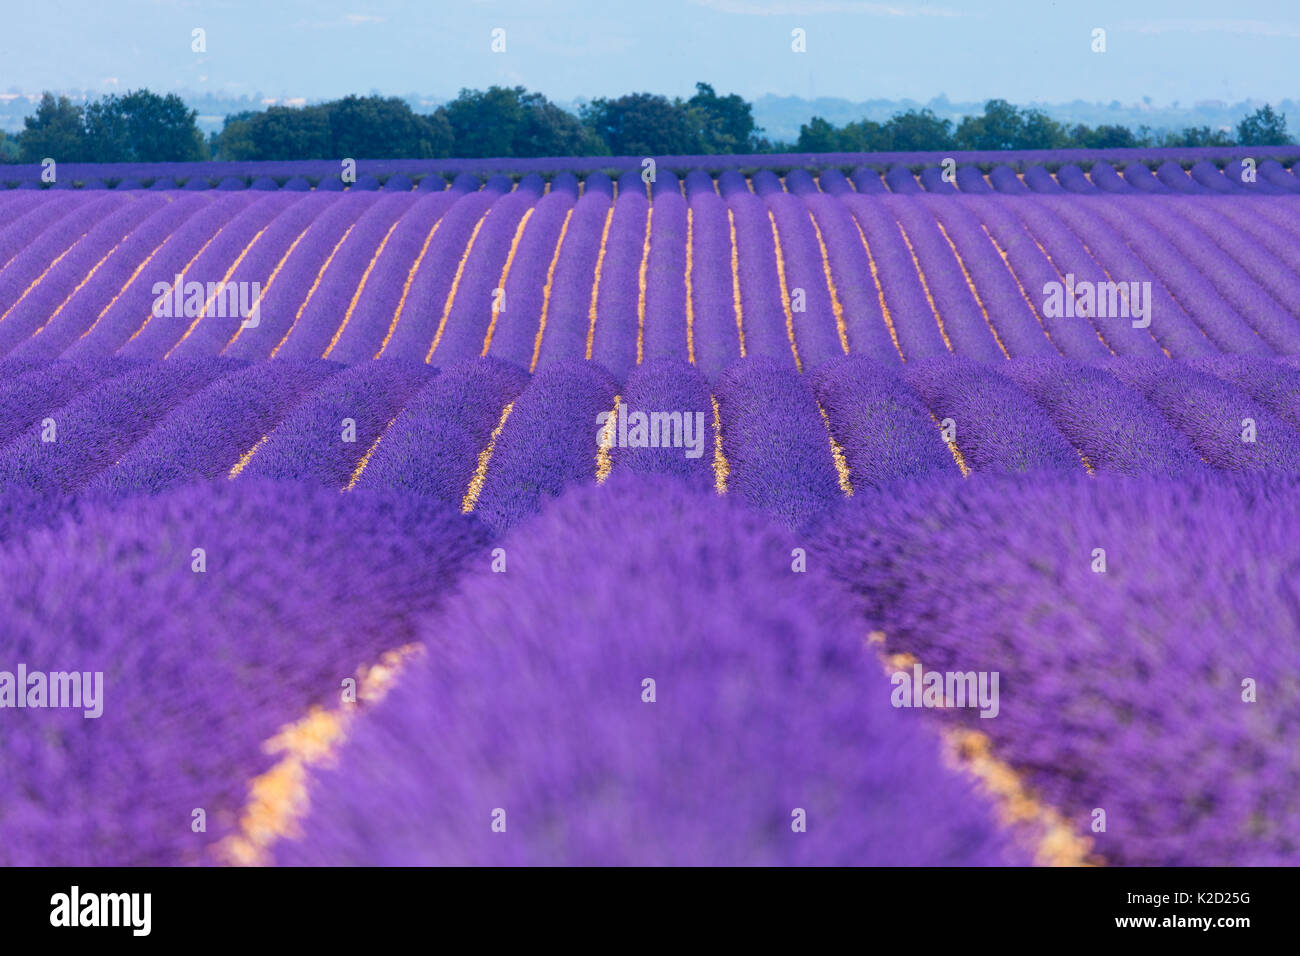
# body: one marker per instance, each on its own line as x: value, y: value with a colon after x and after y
x: 356, y: 19
x: 799, y: 8
x: 1262, y: 28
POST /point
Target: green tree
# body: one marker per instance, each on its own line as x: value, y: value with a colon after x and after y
x: 916, y: 131
x: 643, y: 124
x: 1106, y: 136
x: 725, y: 124
x: 1196, y: 136
x: 1040, y: 131
x: 999, y: 127
x: 55, y: 130
x: 861, y: 136
x: 235, y: 141
x: 286, y: 132
x: 9, y: 152
x: 376, y: 127
x: 142, y: 127
x: 818, y: 136
x: 1263, y: 128
x: 510, y: 121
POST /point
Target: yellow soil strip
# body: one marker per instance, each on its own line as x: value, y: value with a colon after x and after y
x: 735, y: 282
x: 278, y: 800
x: 246, y: 457
x: 920, y: 273
x: 595, y: 284
x: 476, y: 481
x: 880, y: 291
x: 640, y: 283
x: 957, y: 456
x: 1055, y: 841
x: 269, y: 282
x: 455, y: 285
x: 546, y: 291
x: 89, y: 275
x: 207, y: 303
x: 970, y: 284
x: 365, y: 459
x: 604, y: 461
x: 837, y: 455
x: 505, y: 274
x: 406, y: 288
x: 836, y: 307
x: 312, y: 291
x: 1021, y: 286
x: 37, y: 281
x: 721, y: 467
x: 785, y: 292
x: 361, y: 287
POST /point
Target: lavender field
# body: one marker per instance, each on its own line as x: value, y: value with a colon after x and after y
x: 544, y: 517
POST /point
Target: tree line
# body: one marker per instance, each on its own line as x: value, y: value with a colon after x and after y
x: 142, y: 126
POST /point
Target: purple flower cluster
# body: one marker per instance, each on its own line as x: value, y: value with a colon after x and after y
x: 1143, y: 630
x: 729, y: 714
x: 299, y: 587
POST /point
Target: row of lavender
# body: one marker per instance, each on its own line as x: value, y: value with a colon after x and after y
x: 537, y: 276
x: 859, y: 465
x: 325, y: 168
x: 793, y: 446
x: 1249, y: 175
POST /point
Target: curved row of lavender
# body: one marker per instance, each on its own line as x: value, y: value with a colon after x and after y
x: 720, y: 710
x: 216, y: 614
x: 791, y: 445
x: 581, y: 368
x: 302, y: 174
x: 147, y: 458
x: 1144, y: 634
x: 731, y: 268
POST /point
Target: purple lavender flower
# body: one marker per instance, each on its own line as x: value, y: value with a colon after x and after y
x: 98, y: 426
x: 204, y: 436
x: 300, y: 586
x: 998, y: 427
x: 515, y: 335
x: 1227, y: 426
x: 1161, y: 690
x: 618, y: 329
x: 549, y: 441
x: 768, y: 714
x: 325, y: 437
x: 1114, y: 427
x: 775, y: 442
x: 884, y: 429
x: 433, y: 447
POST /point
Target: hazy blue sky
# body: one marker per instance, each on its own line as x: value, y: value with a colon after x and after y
x: 1024, y: 51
